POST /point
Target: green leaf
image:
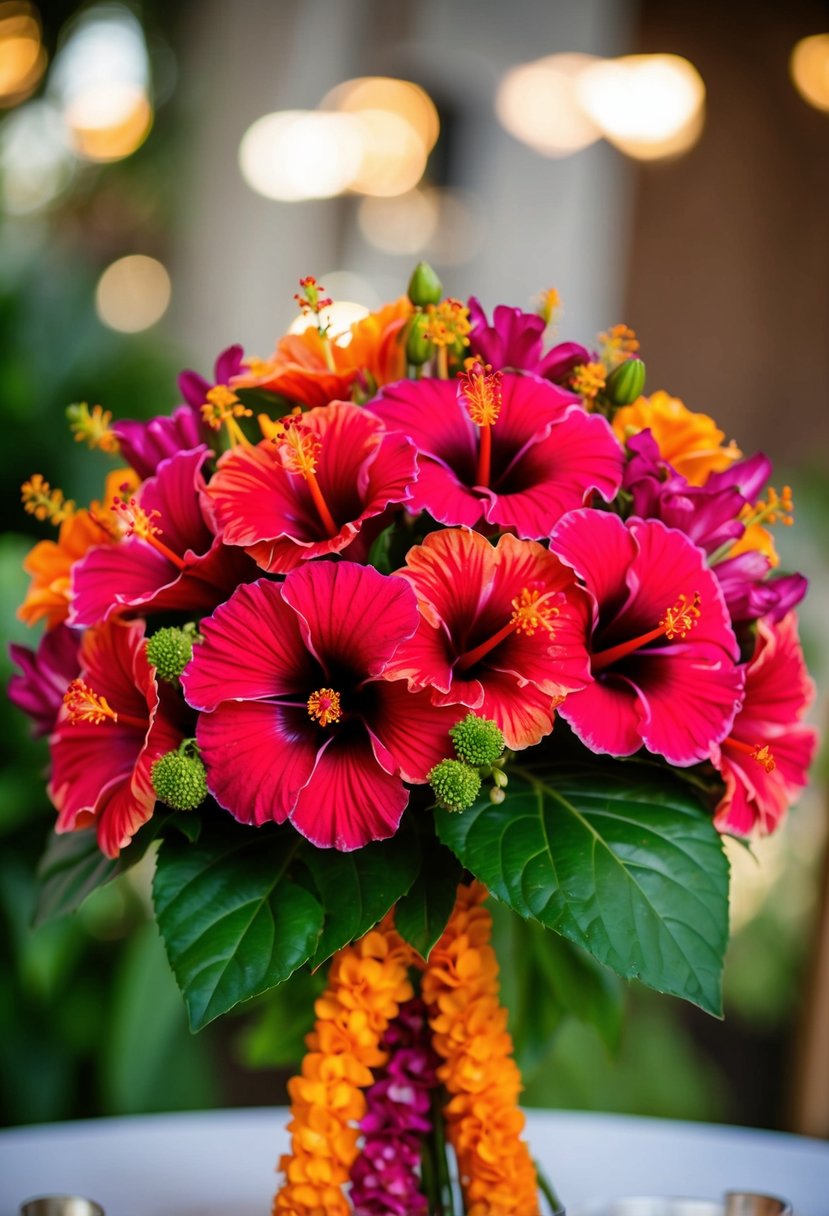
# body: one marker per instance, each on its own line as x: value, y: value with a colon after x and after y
x: 234, y: 920
x: 421, y: 915
x: 73, y: 866
x: 357, y: 889
x: 621, y: 861
x: 379, y: 555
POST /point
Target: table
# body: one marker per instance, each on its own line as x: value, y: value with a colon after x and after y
x: 220, y: 1163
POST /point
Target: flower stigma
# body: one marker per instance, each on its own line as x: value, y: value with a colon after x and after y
x: 324, y: 706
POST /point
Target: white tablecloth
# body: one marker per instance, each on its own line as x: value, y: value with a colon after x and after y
x: 221, y: 1163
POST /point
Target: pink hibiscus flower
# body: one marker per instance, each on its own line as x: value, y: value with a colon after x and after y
x: 44, y: 674
x: 513, y: 450
x: 298, y: 722
x: 114, y: 723
x: 167, y: 560
x: 766, y: 756
x: 498, y: 630
x: 662, y: 651
x: 314, y: 490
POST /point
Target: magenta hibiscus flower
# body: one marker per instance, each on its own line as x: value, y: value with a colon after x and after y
x: 44, y: 674
x: 298, y: 722
x: 511, y: 450
x: 765, y: 758
x: 168, y: 559
x: 325, y: 483
x: 114, y: 723
x: 515, y: 339
x: 662, y: 652
x: 498, y: 632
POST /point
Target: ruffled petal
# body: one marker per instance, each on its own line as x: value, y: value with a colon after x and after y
x: 601, y: 550
x: 524, y: 714
x: 606, y: 716
x: 415, y: 731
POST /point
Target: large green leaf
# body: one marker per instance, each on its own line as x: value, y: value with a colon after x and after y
x: 357, y: 889
x: 621, y: 861
x: 421, y: 915
x: 235, y: 922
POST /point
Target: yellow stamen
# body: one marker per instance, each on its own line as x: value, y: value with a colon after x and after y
x: 681, y: 618
x: 530, y: 612
x: 481, y: 388
x: 761, y: 752
x: 138, y: 523
x: 617, y: 344
x: 777, y: 508
x: 83, y: 704
x: 222, y: 408
x: 548, y: 306
x: 678, y: 621
x: 40, y: 500
x: 447, y: 323
x: 300, y: 450
x: 92, y: 427
x: 588, y: 380
x: 324, y: 706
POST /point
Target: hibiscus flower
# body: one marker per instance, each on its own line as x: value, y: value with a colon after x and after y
x: 314, y: 491
x: 512, y: 450
x: 498, y: 632
x: 765, y: 758
x: 114, y: 723
x: 662, y: 652
x: 298, y: 721
x: 515, y: 339
x: 44, y: 675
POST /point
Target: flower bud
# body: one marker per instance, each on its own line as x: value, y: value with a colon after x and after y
x: 496, y: 795
x: 418, y: 347
x: 456, y: 785
x: 478, y: 741
x: 179, y: 778
x: 169, y: 650
x: 424, y: 286
x: 626, y: 382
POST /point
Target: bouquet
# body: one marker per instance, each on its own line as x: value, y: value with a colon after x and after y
x: 382, y: 625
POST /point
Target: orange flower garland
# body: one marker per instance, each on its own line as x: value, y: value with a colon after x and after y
x: 484, y: 1124
x: 367, y: 984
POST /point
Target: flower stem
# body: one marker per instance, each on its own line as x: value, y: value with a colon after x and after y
x: 546, y: 1188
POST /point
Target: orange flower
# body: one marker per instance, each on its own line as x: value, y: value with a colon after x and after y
x: 692, y: 443
x: 484, y: 1124
x: 367, y: 984
x: 50, y: 562
x: 313, y: 370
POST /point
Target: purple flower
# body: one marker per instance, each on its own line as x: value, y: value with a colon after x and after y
x: 145, y: 444
x: 45, y: 676
x: 385, y: 1179
x: 515, y: 339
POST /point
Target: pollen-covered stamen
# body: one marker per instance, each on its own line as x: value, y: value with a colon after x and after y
x: 222, y: 408
x: 447, y: 324
x: 92, y: 427
x: 83, y: 704
x: 300, y: 450
x: 324, y: 706
x: 40, y: 500
x: 761, y: 752
x: 480, y: 388
x: 531, y: 611
x: 588, y: 380
x: 677, y: 622
x: 775, y: 509
x: 548, y: 306
x: 137, y: 522
x: 617, y: 344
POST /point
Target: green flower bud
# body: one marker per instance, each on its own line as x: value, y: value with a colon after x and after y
x: 626, y: 382
x: 477, y: 740
x: 496, y: 795
x: 179, y: 779
x: 456, y: 785
x: 170, y: 650
x: 418, y: 347
x: 500, y: 777
x: 424, y: 286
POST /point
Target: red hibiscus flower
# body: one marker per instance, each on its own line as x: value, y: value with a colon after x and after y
x: 766, y: 756
x: 662, y: 652
x: 513, y: 450
x: 312, y: 491
x: 114, y: 723
x: 298, y: 722
x: 498, y: 632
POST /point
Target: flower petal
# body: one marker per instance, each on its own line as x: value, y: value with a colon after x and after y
x: 690, y: 694
x: 606, y: 716
x: 414, y: 730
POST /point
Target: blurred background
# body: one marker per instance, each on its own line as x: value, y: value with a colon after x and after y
x: 168, y: 171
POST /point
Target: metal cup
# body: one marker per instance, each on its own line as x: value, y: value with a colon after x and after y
x: 60, y: 1205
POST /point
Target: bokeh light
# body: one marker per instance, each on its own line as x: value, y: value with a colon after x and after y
x: 22, y: 55
x: 402, y: 97
x: 648, y: 106
x: 298, y: 154
x: 132, y: 293
x: 36, y: 161
x: 539, y: 104
x: 337, y: 319
x: 101, y: 78
x: 401, y: 225
x: 809, y: 66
